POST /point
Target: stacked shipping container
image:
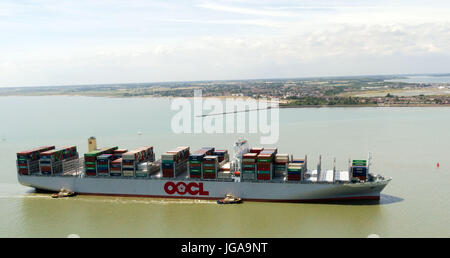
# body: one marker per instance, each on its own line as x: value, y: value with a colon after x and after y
x: 131, y: 159
x: 51, y: 161
x: 210, y: 165
x: 142, y: 154
x: 295, y: 169
x: 103, y: 164
x: 116, y: 167
x: 264, y: 164
x: 90, y: 159
x: 359, y: 169
x: 195, y: 161
x: 195, y: 164
x: 224, y: 171
x: 281, y: 161
x: 28, y: 161
x: 118, y: 153
x: 249, y: 165
x: 173, y: 162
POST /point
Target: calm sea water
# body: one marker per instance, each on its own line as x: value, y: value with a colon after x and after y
x: 424, y: 79
x: 406, y: 144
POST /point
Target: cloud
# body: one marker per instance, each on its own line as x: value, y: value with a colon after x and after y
x: 109, y: 41
x: 245, y: 11
x: 350, y: 48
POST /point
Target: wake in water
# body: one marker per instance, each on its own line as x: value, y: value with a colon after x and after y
x: 14, y: 191
x: 28, y: 196
x: 125, y: 200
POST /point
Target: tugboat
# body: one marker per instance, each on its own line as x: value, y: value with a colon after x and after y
x: 63, y: 193
x: 229, y: 199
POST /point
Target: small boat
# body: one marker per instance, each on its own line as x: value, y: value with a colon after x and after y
x: 229, y: 199
x: 63, y: 193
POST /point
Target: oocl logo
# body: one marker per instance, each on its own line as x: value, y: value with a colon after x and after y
x: 182, y: 188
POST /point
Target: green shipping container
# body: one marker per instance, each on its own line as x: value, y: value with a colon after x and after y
x: 359, y: 162
x: 101, y: 151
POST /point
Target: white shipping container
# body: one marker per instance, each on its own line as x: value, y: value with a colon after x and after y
x: 168, y: 156
x: 127, y: 173
x: 224, y: 175
x: 248, y: 175
x: 282, y: 157
x: 295, y: 165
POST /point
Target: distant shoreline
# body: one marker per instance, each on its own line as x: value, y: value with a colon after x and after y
x: 368, y: 105
x: 232, y: 97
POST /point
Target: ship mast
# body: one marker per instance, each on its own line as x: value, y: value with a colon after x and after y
x: 319, y: 167
x: 334, y: 169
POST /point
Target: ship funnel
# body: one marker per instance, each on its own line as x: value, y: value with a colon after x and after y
x: 92, y: 143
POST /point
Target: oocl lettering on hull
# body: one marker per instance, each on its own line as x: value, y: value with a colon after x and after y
x: 182, y: 188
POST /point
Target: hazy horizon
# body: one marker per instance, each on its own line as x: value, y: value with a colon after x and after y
x: 251, y: 79
x: 67, y: 43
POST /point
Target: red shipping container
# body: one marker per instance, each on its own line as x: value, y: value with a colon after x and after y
x: 167, y: 174
x: 117, y: 161
x: 91, y: 174
x: 90, y: 159
x: 195, y: 165
x: 46, y: 169
x: 23, y: 171
x: 262, y: 177
x: 120, y: 151
x: 256, y: 150
x: 294, y: 177
x: 195, y: 176
x: 209, y: 175
x: 263, y: 166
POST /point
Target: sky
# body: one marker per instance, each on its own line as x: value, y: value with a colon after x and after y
x: 60, y: 42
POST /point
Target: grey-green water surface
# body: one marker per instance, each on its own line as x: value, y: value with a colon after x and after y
x: 406, y: 144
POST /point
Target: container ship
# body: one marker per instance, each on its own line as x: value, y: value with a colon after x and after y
x: 251, y: 173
